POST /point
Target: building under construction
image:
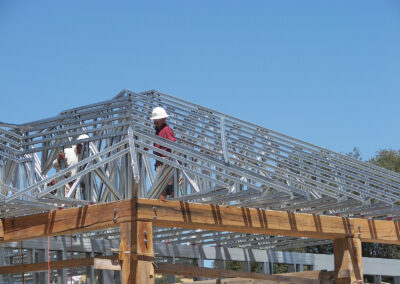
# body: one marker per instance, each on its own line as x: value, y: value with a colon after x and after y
x: 242, y: 193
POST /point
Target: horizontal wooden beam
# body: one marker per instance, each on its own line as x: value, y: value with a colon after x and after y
x: 59, y: 264
x: 111, y: 263
x: 187, y: 270
x: 68, y: 221
x: 311, y: 274
x: 198, y: 216
x: 232, y: 281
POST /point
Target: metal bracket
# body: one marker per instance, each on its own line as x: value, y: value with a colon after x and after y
x: 115, y: 219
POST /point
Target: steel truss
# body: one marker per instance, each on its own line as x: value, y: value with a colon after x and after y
x: 217, y: 159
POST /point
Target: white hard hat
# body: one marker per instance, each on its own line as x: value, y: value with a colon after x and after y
x: 83, y: 136
x: 158, y: 113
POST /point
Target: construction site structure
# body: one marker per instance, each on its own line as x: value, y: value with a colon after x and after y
x: 236, y: 185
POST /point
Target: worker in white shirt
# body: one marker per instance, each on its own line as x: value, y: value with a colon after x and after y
x: 70, y: 157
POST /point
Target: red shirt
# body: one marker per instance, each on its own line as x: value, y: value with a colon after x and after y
x: 167, y: 133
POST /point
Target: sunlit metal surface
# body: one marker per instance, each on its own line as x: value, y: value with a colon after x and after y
x: 217, y: 159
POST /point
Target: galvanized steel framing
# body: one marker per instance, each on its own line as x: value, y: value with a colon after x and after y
x: 217, y: 159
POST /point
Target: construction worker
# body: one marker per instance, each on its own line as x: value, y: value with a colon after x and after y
x: 70, y: 157
x: 159, y: 117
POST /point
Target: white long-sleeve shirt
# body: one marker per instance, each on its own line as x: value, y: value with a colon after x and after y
x: 71, y: 158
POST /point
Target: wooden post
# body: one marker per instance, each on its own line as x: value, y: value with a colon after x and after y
x: 136, y: 253
x: 348, y: 257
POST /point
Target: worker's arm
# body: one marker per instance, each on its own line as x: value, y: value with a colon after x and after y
x: 57, y: 162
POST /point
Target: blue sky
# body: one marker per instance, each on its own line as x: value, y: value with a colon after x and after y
x: 326, y: 72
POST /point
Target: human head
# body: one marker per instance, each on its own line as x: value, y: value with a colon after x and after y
x: 159, y: 116
x: 79, y: 145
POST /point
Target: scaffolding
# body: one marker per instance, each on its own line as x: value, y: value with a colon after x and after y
x: 217, y: 159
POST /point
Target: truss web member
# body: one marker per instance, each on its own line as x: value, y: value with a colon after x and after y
x: 68, y: 158
x: 159, y: 117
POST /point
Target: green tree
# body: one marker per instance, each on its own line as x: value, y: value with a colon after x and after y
x: 355, y: 154
x: 389, y: 159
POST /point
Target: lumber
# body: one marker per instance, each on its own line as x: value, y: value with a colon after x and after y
x: 112, y: 263
x: 59, y: 264
x: 107, y: 263
x: 136, y: 253
x: 186, y: 270
x: 347, y: 256
x: 198, y: 216
x: 1, y: 230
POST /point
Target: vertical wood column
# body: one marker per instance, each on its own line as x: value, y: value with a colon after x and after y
x: 136, y: 253
x: 348, y: 256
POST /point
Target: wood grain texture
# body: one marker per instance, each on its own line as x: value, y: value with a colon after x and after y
x: 347, y: 256
x: 198, y: 216
x: 60, y: 264
x: 186, y: 270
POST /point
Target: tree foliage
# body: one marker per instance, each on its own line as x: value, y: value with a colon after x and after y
x: 389, y: 159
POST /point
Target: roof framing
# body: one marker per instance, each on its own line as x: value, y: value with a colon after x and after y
x: 221, y: 160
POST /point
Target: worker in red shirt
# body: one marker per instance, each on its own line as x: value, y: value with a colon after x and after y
x: 159, y: 117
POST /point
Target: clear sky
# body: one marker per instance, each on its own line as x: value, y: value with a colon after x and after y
x: 326, y: 72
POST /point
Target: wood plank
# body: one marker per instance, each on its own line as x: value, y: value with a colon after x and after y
x: 318, y: 274
x: 311, y: 274
x: 237, y: 281
x: 375, y: 231
x: 269, y: 222
x: 112, y: 263
x: 107, y: 264
x: 186, y: 270
x: 347, y: 256
x: 67, y: 221
x: 136, y: 253
x: 60, y: 264
x: 198, y: 216
x: 239, y: 219
x: 1, y: 230
x: 127, y: 262
x: 144, y: 248
x: 234, y: 281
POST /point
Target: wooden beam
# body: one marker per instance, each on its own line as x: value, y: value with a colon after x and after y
x: 107, y: 263
x: 126, y: 254
x: 233, y: 281
x: 136, y: 253
x: 112, y: 263
x: 1, y: 230
x: 198, y: 216
x: 347, y: 256
x: 186, y: 270
x: 312, y: 274
x: 68, y: 221
x: 60, y: 264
